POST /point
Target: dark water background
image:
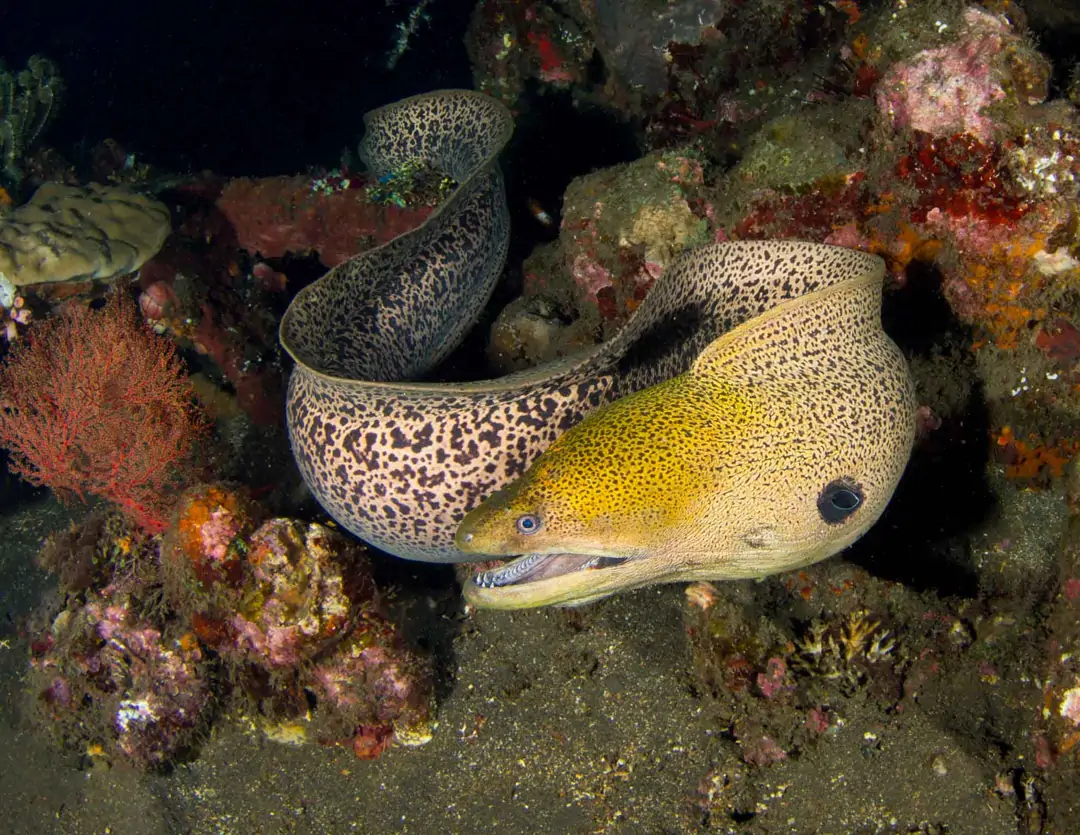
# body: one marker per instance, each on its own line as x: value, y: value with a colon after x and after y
x: 260, y: 89
x: 243, y: 88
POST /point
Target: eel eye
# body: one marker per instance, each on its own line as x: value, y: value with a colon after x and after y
x: 528, y: 524
x: 839, y: 500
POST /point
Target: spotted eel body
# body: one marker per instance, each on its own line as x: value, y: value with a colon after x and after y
x: 399, y: 464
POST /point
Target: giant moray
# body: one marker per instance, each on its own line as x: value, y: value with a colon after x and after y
x: 780, y: 447
x: 400, y: 463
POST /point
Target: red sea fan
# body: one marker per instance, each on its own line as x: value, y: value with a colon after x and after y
x: 94, y: 403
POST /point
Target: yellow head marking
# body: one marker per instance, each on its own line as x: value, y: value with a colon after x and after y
x: 626, y: 474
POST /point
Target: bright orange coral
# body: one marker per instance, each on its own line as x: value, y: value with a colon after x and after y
x: 210, y: 521
x: 1033, y: 459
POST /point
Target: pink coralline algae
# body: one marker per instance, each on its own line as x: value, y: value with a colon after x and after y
x: 1070, y: 705
x: 371, y: 691
x: 590, y: 276
x: 218, y: 532
x: 774, y: 681
x: 202, y: 554
x: 817, y: 720
x: 621, y: 227
x: 945, y: 90
x: 295, y: 598
x: 114, y: 683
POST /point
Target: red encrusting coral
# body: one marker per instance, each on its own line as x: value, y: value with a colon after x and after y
x: 961, y: 176
x: 278, y: 215
x: 94, y: 403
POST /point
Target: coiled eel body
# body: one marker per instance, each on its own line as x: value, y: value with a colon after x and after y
x: 400, y: 463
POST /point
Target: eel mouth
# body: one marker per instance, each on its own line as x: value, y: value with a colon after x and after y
x: 532, y: 568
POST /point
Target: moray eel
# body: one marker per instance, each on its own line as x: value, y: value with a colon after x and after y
x: 780, y: 447
x: 399, y: 463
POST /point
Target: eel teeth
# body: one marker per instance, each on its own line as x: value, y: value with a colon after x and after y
x: 540, y: 567
x: 605, y: 562
x: 507, y: 574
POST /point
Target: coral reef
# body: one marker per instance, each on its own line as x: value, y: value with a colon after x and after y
x: 294, y: 605
x: 299, y: 596
x: 274, y: 594
x: 634, y: 41
x: 848, y: 653
x: 205, y: 293
x: 511, y: 44
x: 924, y: 132
x: 103, y: 549
x: 823, y: 667
x: 696, y: 71
x: 279, y: 622
x: 93, y: 232
x: 67, y: 236
x: 529, y: 331
x: 951, y: 89
x: 621, y: 227
x: 202, y: 554
x: 110, y: 683
x: 372, y: 690
x: 928, y: 139
x: 308, y: 621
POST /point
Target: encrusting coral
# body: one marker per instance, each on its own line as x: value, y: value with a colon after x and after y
x: 114, y: 684
x: 66, y: 233
x: 280, y: 624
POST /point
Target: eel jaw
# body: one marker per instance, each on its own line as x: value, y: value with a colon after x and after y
x: 532, y: 567
x: 549, y: 580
